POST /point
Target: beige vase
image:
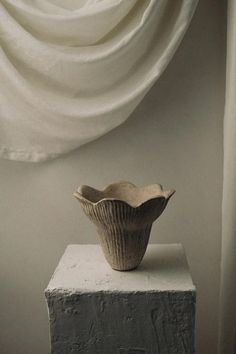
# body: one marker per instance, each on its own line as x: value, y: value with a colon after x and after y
x: 123, y: 215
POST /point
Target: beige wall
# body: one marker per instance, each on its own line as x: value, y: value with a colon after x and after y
x: 175, y: 138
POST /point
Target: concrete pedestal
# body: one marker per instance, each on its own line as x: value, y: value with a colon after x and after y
x: 96, y: 310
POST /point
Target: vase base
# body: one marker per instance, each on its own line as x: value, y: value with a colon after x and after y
x: 124, y: 270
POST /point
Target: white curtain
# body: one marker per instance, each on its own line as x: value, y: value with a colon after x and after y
x: 71, y: 70
x: 227, y: 343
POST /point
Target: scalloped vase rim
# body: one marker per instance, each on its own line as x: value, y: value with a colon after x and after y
x: 153, y: 191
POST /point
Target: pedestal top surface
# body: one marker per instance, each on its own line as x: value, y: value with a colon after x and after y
x: 83, y: 268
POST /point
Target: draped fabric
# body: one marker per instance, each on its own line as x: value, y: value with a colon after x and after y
x: 228, y: 270
x: 71, y: 70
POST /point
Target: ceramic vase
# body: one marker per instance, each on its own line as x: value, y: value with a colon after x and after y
x: 123, y: 214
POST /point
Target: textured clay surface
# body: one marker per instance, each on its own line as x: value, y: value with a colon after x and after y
x: 123, y: 214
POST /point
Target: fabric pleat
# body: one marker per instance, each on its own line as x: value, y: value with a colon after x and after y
x: 227, y: 318
x: 70, y: 71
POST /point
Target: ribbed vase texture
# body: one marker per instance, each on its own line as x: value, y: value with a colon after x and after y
x: 124, y: 231
x: 123, y: 214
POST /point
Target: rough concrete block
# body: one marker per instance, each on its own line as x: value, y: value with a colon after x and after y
x: 96, y: 310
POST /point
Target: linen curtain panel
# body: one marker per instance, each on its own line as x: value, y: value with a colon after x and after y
x: 71, y: 70
x: 227, y: 343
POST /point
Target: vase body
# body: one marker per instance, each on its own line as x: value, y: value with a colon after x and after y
x: 123, y: 229
x: 124, y: 249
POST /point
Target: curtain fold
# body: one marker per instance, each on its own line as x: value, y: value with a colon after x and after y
x: 227, y: 342
x: 72, y: 71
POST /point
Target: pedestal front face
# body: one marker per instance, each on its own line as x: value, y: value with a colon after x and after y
x: 96, y: 310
